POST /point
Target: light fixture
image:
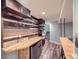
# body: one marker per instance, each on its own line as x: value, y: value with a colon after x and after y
x: 43, y: 13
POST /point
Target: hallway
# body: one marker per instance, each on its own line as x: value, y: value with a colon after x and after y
x: 39, y: 29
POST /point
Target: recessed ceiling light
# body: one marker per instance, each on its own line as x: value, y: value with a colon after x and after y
x: 43, y: 13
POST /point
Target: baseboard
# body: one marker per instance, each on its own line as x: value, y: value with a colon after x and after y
x: 55, y: 42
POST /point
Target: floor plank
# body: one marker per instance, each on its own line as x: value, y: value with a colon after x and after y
x: 50, y: 51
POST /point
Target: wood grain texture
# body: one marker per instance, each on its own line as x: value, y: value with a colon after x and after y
x: 68, y: 47
x: 23, y: 44
x: 27, y: 53
x: 50, y: 51
x: 8, y: 34
x: 23, y: 53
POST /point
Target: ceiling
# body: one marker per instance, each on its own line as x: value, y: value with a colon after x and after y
x: 51, y: 7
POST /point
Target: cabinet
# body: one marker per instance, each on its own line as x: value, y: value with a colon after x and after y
x: 32, y: 52
x: 35, y: 50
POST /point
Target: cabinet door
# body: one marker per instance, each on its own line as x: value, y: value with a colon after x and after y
x: 33, y: 52
x: 23, y: 53
x: 36, y: 50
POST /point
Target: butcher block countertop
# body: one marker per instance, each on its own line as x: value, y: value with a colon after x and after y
x: 24, y: 44
x: 68, y: 47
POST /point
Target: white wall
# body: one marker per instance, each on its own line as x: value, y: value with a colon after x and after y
x: 69, y: 30
x: 75, y: 16
x: 12, y: 55
x: 75, y: 23
x: 54, y: 32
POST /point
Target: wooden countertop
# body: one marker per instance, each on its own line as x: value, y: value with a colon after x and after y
x: 23, y: 44
x: 68, y: 47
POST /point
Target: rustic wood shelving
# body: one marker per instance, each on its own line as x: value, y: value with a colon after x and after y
x: 24, y: 44
x: 20, y: 29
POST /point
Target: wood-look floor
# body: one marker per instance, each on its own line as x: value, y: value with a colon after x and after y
x: 50, y: 51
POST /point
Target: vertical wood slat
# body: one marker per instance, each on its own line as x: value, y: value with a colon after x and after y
x: 23, y: 53
x: 1, y: 32
x: 20, y: 54
x: 27, y: 53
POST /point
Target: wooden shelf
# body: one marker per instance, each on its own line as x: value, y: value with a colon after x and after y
x: 20, y: 23
x: 7, y: 11
x: 17, y: 18
x: 22, y: 45
x: 9, y: 36
x: 14, y: 7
